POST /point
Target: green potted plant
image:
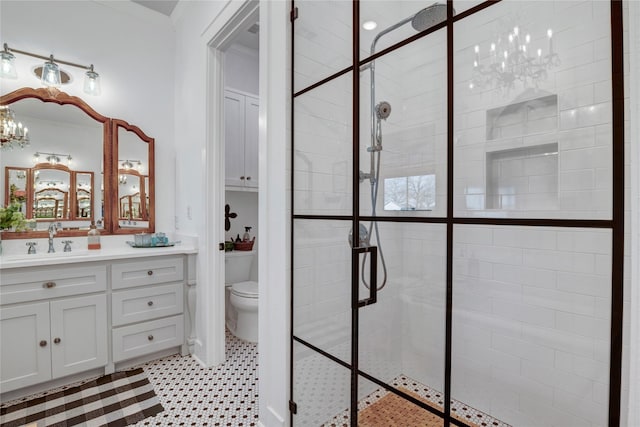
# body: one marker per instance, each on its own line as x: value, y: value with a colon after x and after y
x: 12, y: 219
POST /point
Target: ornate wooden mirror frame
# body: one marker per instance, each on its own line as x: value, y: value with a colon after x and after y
x: 110, y: 164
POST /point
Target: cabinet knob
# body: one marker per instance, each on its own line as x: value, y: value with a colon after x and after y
x: 150, y: 337
x: 248, y: 178
x: 150, y: 303
x: 49, y: 285
x: 57, y: 340
x: 43, y: 343
x: 150, y: 272
x: 242, y: 177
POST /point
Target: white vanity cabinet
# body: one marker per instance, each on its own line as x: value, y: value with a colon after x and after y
x: 61, y: 334
x: 241, y: 139
x: 68, y: 321
x: 147, y: 306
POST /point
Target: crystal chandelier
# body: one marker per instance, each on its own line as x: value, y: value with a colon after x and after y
x: 511, y: 58
x: 12, y: 134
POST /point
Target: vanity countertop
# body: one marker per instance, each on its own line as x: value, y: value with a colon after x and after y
x: 113, y: 250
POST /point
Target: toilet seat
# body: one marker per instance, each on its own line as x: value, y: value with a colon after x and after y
x: 245, y: 289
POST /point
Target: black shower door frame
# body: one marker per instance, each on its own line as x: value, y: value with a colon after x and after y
x: 615, y: 224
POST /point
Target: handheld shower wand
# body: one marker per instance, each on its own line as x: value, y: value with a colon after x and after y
x: 420, y: 21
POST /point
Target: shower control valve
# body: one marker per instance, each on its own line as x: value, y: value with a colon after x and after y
x: 375, y: 148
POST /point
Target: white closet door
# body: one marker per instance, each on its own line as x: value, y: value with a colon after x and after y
x: 251, y: 141
x: 234, y: 138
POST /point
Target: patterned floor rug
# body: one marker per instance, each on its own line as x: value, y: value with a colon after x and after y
x: 114, y: 400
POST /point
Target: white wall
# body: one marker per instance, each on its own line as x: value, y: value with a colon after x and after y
x: 241, y: 69
x: 133, y: 50
x: 631, y: 366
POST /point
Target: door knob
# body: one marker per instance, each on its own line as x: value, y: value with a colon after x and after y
x: 150, y: 272
x: 43, y: 343
x: 150, y: 337
x: 49, y: 285
x: 57, y: 340
x: 150, y: 303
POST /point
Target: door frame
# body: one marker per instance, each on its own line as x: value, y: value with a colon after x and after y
x: 227, y: 24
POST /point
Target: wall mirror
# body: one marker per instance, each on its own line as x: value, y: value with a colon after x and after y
x: 69, y: 172
x: 134, y: 206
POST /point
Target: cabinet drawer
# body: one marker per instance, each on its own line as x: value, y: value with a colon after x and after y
x: 147, y: 272
x: 21, y: 286
x: 148, y: 337
x: 137, y: 305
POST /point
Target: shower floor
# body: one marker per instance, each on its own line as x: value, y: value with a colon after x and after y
x: 461, y: 411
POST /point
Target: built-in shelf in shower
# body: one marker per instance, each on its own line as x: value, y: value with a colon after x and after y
x: 537, y: 115
x: 523, y: 178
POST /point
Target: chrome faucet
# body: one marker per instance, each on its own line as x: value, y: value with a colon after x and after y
x: 53, y: 229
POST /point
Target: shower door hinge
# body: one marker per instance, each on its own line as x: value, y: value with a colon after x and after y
x: 293, y: 407
x: 294, y: 14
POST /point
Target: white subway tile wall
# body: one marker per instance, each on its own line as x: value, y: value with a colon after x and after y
x: 323, y: 135
x: 534, y: 323
x: 322, y: 40
x: 578, y: 183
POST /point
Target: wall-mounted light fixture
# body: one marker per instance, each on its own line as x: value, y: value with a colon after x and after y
x: 52, y: 158
x: 129, y: 164
x: 49, y: 73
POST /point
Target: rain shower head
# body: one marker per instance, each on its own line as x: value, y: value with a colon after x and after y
x: 422, y: 20
x: 429, y: 16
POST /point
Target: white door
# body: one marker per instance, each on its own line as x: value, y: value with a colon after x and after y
x: 25, y: 354
x: 78, y: 334
x: 234, y: 139
x: 251, y: 110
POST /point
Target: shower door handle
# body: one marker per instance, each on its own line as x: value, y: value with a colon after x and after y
x: 373, y: 274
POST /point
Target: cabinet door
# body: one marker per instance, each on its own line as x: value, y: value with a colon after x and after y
x: 234, y: 138
x: 25, y: 354
x: 78, y: 334
x: 251, y: 128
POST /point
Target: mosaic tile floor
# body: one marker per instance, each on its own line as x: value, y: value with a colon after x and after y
x: 225, y: 395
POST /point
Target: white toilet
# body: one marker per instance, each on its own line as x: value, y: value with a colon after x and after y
x: 241, y: 305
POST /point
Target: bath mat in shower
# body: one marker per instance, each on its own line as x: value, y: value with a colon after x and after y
x: 394, y: 411
x: 114, y: 400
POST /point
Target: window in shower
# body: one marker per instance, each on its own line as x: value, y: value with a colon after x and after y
x: 410, y: 193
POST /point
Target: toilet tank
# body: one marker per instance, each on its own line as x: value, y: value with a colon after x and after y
x: 237, y: 266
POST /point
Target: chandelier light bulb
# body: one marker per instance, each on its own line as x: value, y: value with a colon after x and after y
x: 506, y: 55
x: 510, y: 38
x: 539, y: 53
x: 516, y: 30
x: 493, y: 47
x: 477, y: 49
x: 549, y: 33
x: 527, y: 38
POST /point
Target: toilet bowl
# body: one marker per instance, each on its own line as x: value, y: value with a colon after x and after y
x: 244, y: 300
x: 241, y: 302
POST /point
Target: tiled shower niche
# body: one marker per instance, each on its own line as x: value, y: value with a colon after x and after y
x: 523, y: 178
